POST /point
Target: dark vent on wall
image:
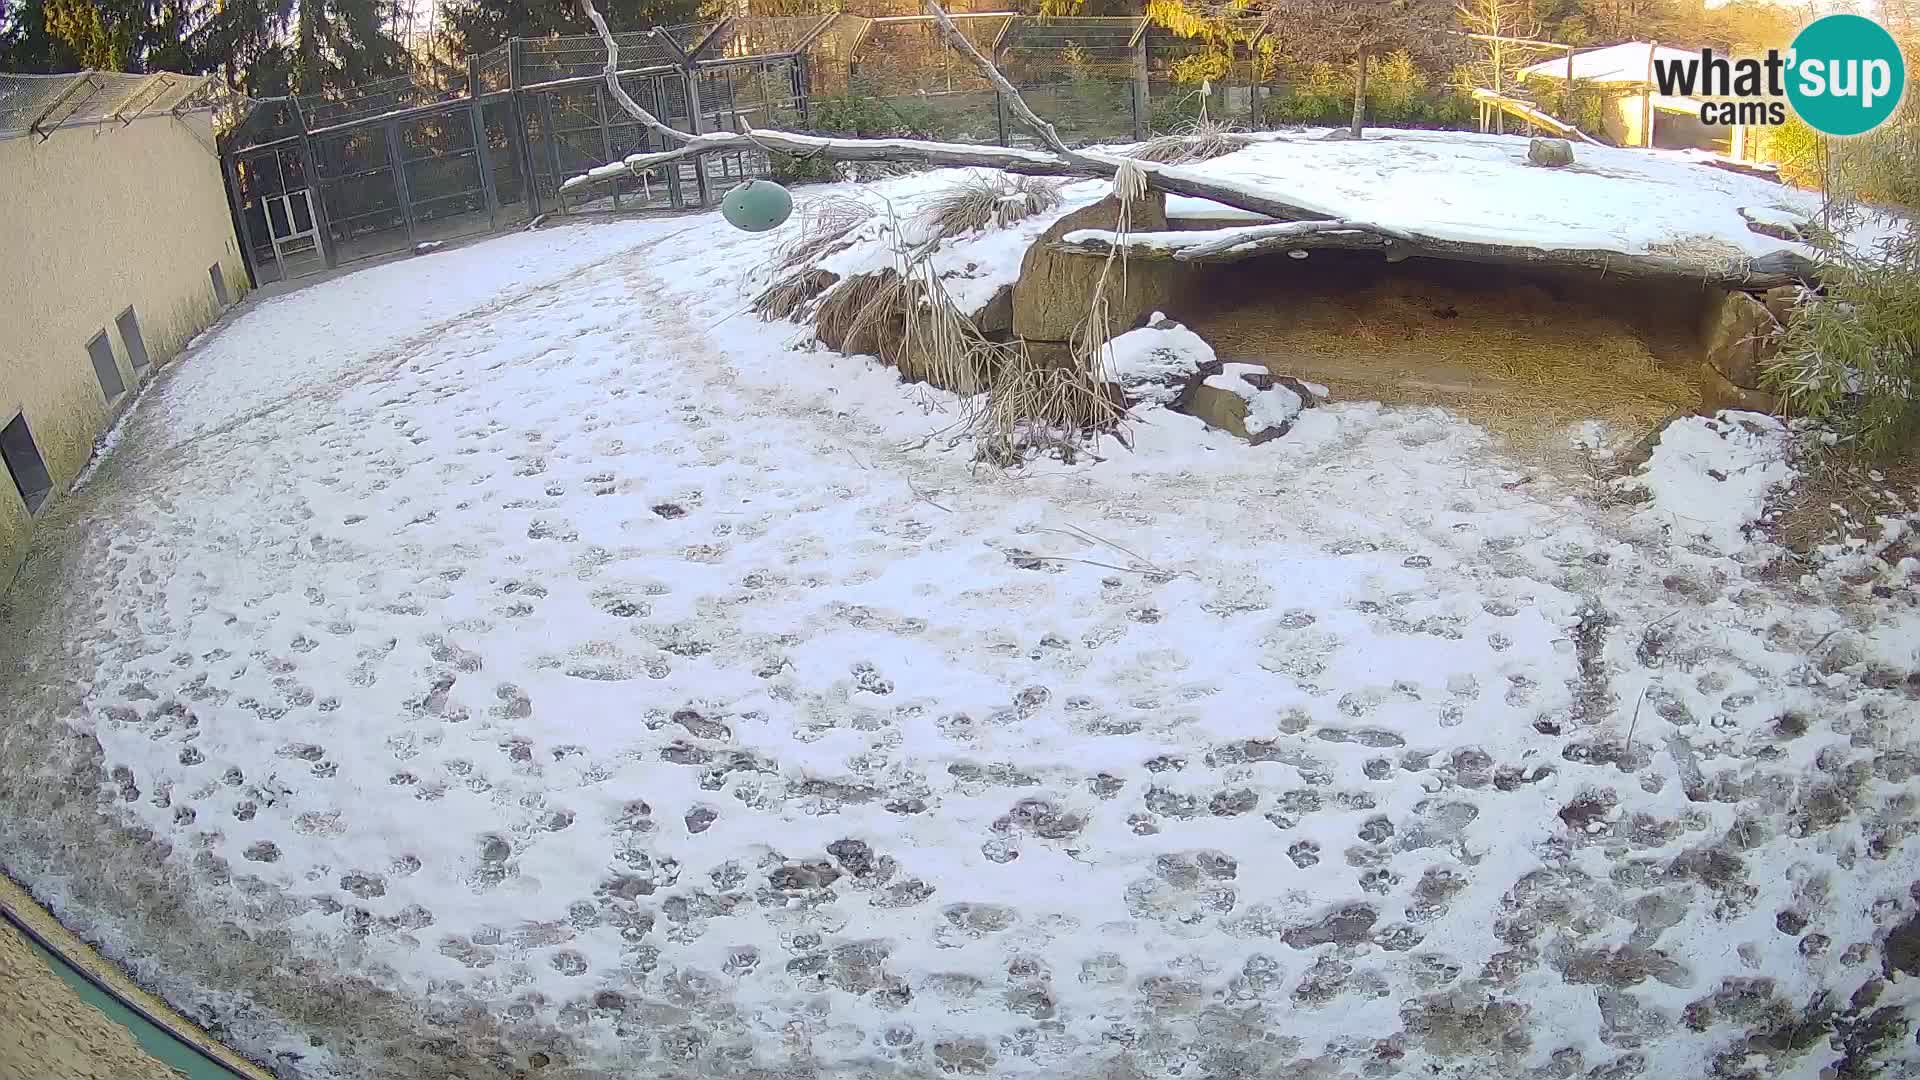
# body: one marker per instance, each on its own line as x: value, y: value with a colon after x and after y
x: 105, y: 367
x: 129, y: 325
x: 24, y: 464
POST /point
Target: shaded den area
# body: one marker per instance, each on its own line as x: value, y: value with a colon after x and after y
x: 1522, y: 352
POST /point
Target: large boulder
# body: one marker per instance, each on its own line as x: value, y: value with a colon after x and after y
x: 1781, y: 300
x: 1737, y: 334
x: 1716, y: 393
x: 996, y: 319
x: 1551, y: 153
x: 1055, y: 289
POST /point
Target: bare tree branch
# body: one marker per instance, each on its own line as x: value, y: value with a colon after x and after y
x: 619, y: 92
x: 1016, y: 104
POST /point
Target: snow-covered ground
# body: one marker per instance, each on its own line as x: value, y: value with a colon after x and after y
x: 519, y: 656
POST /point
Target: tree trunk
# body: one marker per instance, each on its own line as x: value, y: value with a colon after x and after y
x: 1359, y: 92
x: 306, y: 63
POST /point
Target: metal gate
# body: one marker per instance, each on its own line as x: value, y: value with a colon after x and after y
x: 425, y: 176
x: 275, y: 204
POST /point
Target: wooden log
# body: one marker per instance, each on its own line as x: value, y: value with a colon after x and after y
x: 1253, y: 241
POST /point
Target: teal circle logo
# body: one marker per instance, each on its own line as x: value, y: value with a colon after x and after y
x: 1847, y: 75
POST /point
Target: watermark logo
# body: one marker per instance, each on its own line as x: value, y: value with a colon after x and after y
x: 1844, y: 75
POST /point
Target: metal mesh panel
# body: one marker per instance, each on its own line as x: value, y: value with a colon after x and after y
x: 830, y: 53
x: 883, y: 9
x: 1076, y: 73
x: 24, y: 97
x: 1226, y: 65
x: 90, y: 97
x: 743, y: 94
x: 493, y: 70
x: 585, y: 56
x: 1066, y: 43
x: 377, y: 99
x: 689, y: 35
x: 763, y: 36
x: 898, y: 76
x: 909, y: 56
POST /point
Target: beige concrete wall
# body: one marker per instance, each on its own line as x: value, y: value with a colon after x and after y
x: 92, y: 220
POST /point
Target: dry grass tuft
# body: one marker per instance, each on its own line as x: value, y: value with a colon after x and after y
x: 1035, y: 407
x: 1014, y: 402
x: 826, y: 225
x: 1196, y: 140
x: 791, y: 296
x: 983, y: 201
x: 850, y: 312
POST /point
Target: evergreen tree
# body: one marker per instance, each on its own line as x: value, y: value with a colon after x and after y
x: 27, y: 44
x: 472, y: 27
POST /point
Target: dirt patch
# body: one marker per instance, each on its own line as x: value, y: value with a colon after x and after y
x: 1525, y: 355
x: 1841, y: 494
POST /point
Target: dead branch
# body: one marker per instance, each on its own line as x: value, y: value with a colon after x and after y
x: 1016, y: 105
x: 1252, y: 241
x: 619, y: 92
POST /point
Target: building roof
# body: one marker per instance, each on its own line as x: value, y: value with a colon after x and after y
x: 1614, y: 64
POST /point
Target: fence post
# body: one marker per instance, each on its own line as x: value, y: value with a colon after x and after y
x: 229, y: 165
x: 999, y: 102
x: 476, y: 115
x: 694, y: 108
x: 392, y: 130
x: 606, y: 137
x: 318, y: 204
x: 802, y: 89
x: 1141, y: 110
x: 553, y: 147
x: 522, y: 144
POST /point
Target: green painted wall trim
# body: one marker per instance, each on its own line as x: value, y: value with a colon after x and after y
x: 153, y: 1037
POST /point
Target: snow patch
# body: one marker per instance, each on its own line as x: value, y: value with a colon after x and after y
x: 1709, y: 477
x: 1152, y: 364
x: 1272, y: 407
x: 972, y: 267
x: 1477, y: 188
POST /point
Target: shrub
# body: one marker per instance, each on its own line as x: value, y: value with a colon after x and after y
x: 1850, y: 356
x: 1882, y: 166
x: 803, y: 170
x: 1399, y: 94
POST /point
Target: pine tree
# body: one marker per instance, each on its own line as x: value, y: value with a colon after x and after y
x: 27, y: 44
x: 475, y: 26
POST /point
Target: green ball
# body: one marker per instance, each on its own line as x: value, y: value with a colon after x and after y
x: 756, y: 206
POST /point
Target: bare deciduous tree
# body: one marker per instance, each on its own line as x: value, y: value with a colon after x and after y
x: 1495, y: 59
x: 1355, y: 31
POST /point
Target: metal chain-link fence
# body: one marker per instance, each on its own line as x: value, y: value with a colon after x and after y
x: 327, y: 178
x: 40, y: 104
